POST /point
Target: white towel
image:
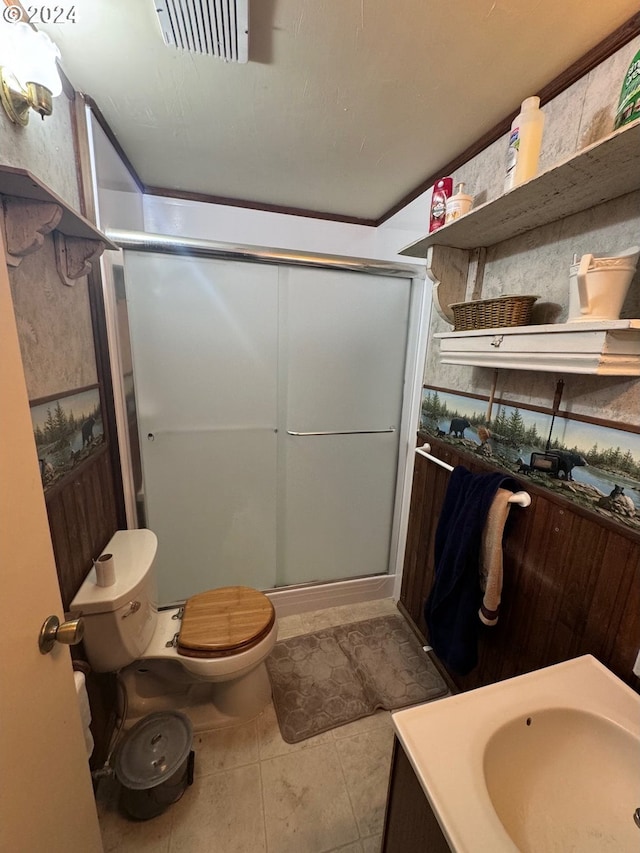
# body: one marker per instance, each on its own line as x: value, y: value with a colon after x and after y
x: 85, y: 710
x: 491, y: 557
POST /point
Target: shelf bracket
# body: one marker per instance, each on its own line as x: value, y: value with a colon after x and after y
x: 448, y: 269
x: 26, y: 223
x: 74, y: 256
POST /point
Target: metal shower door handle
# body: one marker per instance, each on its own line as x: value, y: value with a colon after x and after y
x: 53, y: 631
x: 344, y: 432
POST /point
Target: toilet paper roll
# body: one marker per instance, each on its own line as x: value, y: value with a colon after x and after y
x: 105, y: 570
x: 85, y: 710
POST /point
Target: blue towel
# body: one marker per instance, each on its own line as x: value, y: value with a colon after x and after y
x: 451, y: 610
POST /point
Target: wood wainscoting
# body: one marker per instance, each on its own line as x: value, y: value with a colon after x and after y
x: 83, y: 516
x: 571, y: 579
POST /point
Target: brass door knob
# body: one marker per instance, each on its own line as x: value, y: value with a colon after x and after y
x: 53, y: 631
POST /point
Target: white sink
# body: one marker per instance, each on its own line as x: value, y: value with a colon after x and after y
x: 548, y: 777
x: 548, y: 761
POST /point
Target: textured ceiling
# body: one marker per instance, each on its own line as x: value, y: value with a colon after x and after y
x: 345, y: 105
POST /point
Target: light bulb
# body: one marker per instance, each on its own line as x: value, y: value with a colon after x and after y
x: 29, y: 75
x: 34, y: 58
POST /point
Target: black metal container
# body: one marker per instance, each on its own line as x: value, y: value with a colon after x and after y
x: 154, y: 764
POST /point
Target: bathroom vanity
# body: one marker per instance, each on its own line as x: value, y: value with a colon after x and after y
x: 546, y: 760
x: 410, y: 824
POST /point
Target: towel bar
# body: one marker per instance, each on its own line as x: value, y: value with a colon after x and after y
x: 521, y: 498
x: 345, y: 432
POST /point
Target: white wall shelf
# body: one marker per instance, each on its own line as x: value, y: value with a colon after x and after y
x: 455, y: 254
x: 606, y: 348
x: 601, y: 172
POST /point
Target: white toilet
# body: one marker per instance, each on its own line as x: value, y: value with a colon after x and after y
x: 206, y: 659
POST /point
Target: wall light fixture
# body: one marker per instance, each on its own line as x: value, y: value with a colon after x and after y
x: 29, y: 77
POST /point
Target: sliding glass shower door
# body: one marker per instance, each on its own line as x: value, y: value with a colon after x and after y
x: 343, y: 350
x: 269, y: 403
x: 204, y: 344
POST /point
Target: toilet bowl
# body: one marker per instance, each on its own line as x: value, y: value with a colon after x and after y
x: 206, y: 659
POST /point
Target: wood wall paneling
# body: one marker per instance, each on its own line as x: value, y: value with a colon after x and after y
x: 82, y: 518
x: 571, y: 580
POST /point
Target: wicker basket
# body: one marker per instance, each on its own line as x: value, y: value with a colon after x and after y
x: 492, y: 313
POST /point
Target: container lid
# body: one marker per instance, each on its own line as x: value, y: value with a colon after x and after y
x: 133, y: 554
x: 532, y: 103
x: 153, y: 750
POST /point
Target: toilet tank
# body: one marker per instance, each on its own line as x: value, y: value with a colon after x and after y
x: 119, y: 620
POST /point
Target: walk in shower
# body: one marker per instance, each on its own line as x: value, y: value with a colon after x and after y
x: 271, y: 410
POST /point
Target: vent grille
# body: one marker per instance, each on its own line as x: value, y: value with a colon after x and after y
x: 214, y: 27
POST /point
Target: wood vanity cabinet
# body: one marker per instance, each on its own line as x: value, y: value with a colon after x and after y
x: 410, y: 825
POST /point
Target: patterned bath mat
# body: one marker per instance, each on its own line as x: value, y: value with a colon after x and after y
x: 337, y: 675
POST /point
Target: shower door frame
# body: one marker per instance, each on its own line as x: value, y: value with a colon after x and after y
x: 297, y: 597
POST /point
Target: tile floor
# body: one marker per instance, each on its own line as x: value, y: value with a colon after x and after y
x: 254, y: 793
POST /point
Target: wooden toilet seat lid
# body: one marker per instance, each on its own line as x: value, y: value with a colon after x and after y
x: 224, y: 621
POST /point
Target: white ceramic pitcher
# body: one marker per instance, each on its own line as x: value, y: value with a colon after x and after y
x: 598, y: 285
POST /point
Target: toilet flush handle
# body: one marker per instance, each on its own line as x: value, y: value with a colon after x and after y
x: 53, y: 631
x: 134, y: 606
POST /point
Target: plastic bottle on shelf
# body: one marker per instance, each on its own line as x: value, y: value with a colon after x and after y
x: 525, y: 140
x: 458, y: 204
x: 441, y: 192
x: 629, y: 104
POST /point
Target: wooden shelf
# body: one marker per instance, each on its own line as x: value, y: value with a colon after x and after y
x: 605, y: 170
x: 20, y: 183
x: 605, y: 348
x: 599, y: 173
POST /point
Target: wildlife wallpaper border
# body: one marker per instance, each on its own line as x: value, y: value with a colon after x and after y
x: 595, y: 466
x: 67, y: 428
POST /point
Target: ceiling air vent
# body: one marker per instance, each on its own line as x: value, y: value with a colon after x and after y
x: 214, y: 27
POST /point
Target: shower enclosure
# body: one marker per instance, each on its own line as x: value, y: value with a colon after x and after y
x: 269, y: 403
